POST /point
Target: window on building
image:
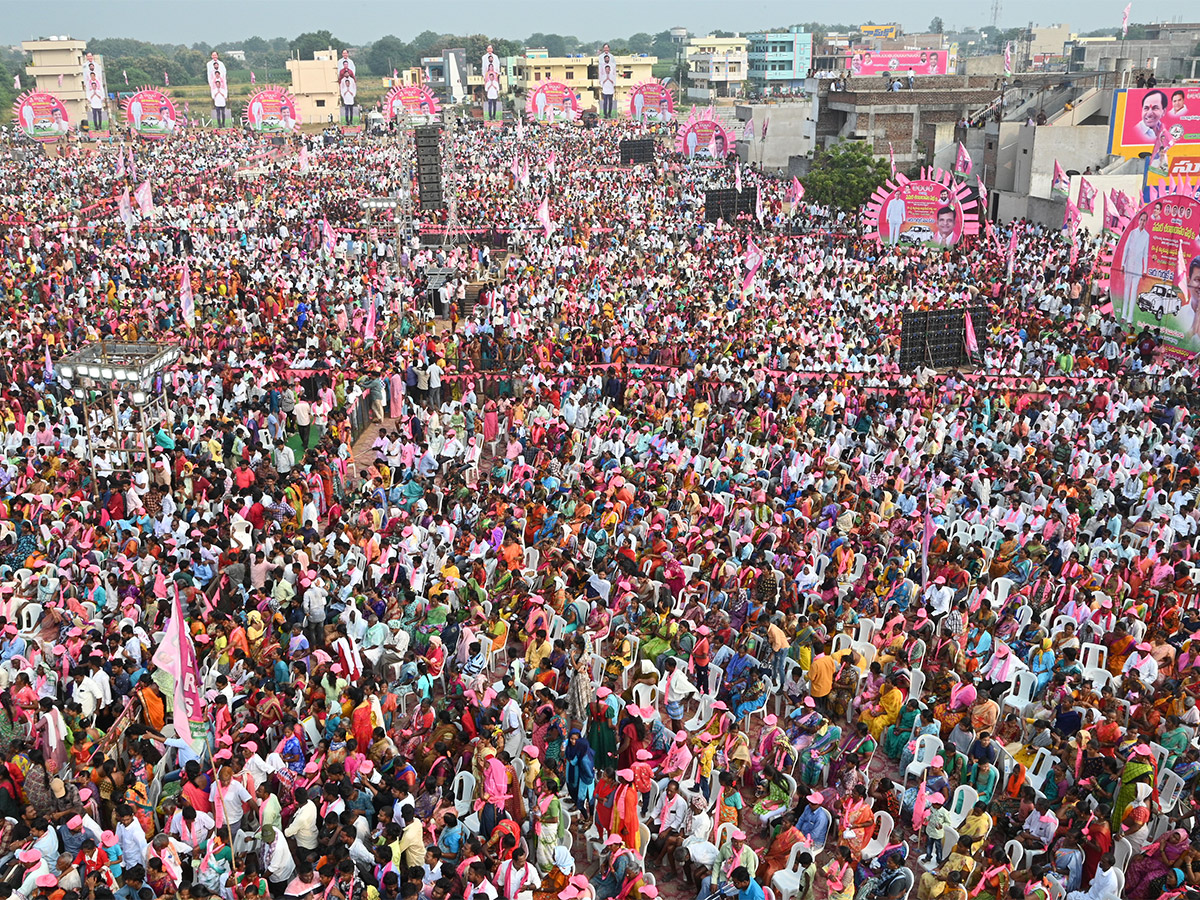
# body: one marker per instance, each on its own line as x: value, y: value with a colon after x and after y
x: 320, y: 103
x: 570, y: 75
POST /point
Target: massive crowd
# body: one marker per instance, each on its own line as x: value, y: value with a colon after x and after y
x: 636, y: 581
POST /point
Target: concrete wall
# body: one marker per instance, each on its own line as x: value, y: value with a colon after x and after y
x: 1130, y: 184
x: 791, y: 132
x: 1074, y: 148
x: 984, y: 65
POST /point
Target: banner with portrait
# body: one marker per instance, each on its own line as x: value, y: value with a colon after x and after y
x: 1153, y: 120
x: 552, y: 101
x: 41, y: 116
x: 95, y: 89
x: 703, y: 134
x: 150, y: 114
x: 347, y: 79
x: 899, y: 62
x: 410, y: 99
x: 271, y: 110
x: 930, y: 211
x: 651, y: 101
x: 218, y: 82
x: 1154, y: 280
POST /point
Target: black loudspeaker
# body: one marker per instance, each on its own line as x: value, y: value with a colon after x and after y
x: 637, y: 151
x: 728, y: 203
x: 426, y: 135
x: 428, y: 168
x: 429, y: 165
x: 939, y: 338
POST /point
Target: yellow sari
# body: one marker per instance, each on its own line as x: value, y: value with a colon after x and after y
x: 888, y: 710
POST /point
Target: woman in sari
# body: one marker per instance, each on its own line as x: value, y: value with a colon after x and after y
x: 1138, y: 770
x: 777, y: 798
x: 925, y: 724
x: 620, y: 657
x: 880, y: 715
x: 549, y: 824
x: 1158, y: 858
x: 780, y: 848
x: 896, y: 736
x: 853, y: 752
x: 774, y: 746
x: 581, y: 774
x: 444, y: 732
x: 845, y: 683
x: 820, y: 753
x: 1006, y: 553
x: 413, y: 735
x: 839, y: 875
x: 990, y: 881
x: 729, y: 803
x: 858, y: 822
x: 602, y: 728
x: 950, y: 713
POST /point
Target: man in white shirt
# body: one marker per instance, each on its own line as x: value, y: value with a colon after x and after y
x: 280, y: 867
x: 303, y: 416
x: 1104, y: 882
x: 516, y: 875
x: 304, y: 822
x: 667, y: 820
x: 191, y: 827
x: 1142, y: 664
x: 131, y: 838
x: 234, y: 799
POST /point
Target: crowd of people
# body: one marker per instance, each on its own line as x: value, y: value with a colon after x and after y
x: 640, y: 579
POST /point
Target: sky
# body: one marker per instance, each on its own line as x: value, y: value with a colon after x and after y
x: 362, y: 21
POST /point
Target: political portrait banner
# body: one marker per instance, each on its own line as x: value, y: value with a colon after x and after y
x: 651, y: 101
x: 489, y: 65
x: 271, y: 110
x: 553, y: 101
x: 1182, y: 167
x: 930, y: 211
x: 899, y: 62
x: 95, y: 90
x: 411, y: 100
x: 150, y: 114
x: 703, y: 134
x: 218, y: 82
x: 1153, y: 120
x: 41, y: 116
x: 347, y: 79
x: 1154, y: 279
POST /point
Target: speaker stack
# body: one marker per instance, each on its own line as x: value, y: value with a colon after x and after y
x: 637, y: 151
x: 429, y: 166
x: 938, y: 338
x: 728, y: 203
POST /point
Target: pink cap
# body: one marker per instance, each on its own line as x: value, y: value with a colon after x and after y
x: 635, y: 711
x: 937, y: 761
x: 808, y: 701
x: 46, y: 881
x: 625, y: 774
x: 648, y: 890
x: 815, y: 797
x: 530, y: 750
x: 108, y: 838
x: 29, y: 857
x: 75, y: 822
x: 222, y: 754
x: 603, y: 692
x: 681, y: 736
x: 252, y: 746
x: 939, y: 580
x: 1145, y: 647
x: 921, y: 614
x: 644, y: 754
x: 720, y: 704
x: 738, y: 835
x: 936, y: 797
x: 250, y: 728
x: 613, y: 840
x: 771, y: 718
x: 85, y: 794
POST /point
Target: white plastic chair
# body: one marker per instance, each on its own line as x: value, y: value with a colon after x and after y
x: 1015, y: 852
x: 964, y: 800
x: 1039, y: 769
x: 787, y: 880
x: 916, y: 684
x: 1122, y: 851
x: 1093, y: 656
x: 1170, y: 789
x: 463, y: 790
x: 1020, y: 695
x: 884, y: 825
x: 927, y: 747
x: 703, y: 714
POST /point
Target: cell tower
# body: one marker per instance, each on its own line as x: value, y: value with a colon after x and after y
x: 995, y: 13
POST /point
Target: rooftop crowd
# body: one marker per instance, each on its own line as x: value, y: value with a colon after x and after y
x: 636, y: 582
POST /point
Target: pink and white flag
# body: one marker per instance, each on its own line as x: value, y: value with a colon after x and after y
x: 972, y: 343
x: 16, y: 82
x: 166, y: 79
x: 187, y: 301
x: 962, y: 162
x: 759, y: 212
x: 766, y: 122
x: 1087, y: 196
x: 252, y: 79
x: 543, y: 216
x: 303, y: 158
x: 797, y: 192
x: 1125, y: 19
x: 145, y: 198
x: 737, y: 176
x: 125, y: 208
x: 176, y: 656
x: 748, y: 131
x: 892, y: 158
x: 328, y: 238
x: 754, y: 259
x: 120, y: 165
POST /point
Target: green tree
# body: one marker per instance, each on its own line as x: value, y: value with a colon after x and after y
x: 641, y: 42
x: 845, y: 176
x: 386, y: 54
x: 936, y: 25
x: 309, y: 42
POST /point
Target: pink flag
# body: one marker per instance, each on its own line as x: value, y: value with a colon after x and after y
x: 125, y: 75
x: 543, y: 216
x: 759, y: 212
x: 1070, y: 215
x: 303, y: 158
x: 395, y: 74
x: 369, y: 328
x: 766, y: 122
x: 926, y: 538
x: 1125, y: 19
x: 552, y: 162
x: 160, y: 585
x: 754, y: 260
x: 918, y: 813
x: 166, y: 79
x: 1123, y: 204
x: 176, y: 656
x: 748, y: 131
x: 962, y: 163
x: 737, y: 176
x: 972, y: 343
x: 1087, y: 196
x: 797, y: 192
x: 1112, y: 221
x: 1008, y: 59
x: 125, y: 209
x: 60, y: 79
x: 16, y: 82
x: 252, y: 81
x: 1060, y: 184
x: 120, y: 165
x: 187, y: 302
x: 144, y: 198
x: 328, y: 239
x: 48, y: 366
x: 892, y: 158
x: 132, y: 170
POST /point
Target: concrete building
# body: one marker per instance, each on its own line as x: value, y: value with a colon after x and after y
x: 582, y: 73
x: 791, y: 132
x: 1171, y: 54
x: 716, y: 66
x: 779, y: 60
x: 53, y: 58
x: 315, y: 87
x: 447, y: 75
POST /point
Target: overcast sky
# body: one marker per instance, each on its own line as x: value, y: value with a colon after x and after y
x: 362, y: 21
